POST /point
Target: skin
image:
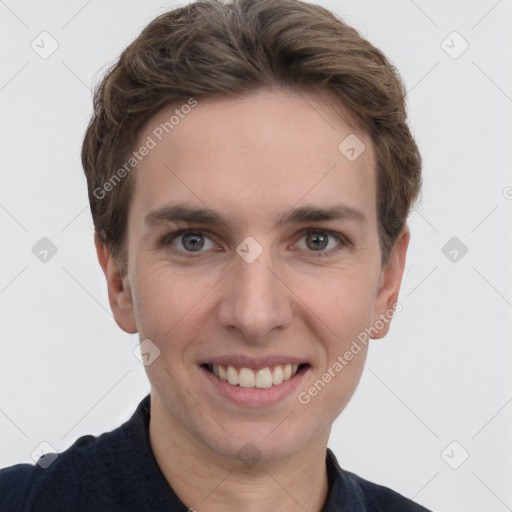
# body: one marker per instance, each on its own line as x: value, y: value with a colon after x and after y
x: 252, y: 159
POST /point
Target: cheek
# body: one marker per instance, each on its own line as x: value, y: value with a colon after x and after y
x: 163, y: 303
x: 343, y: 300
x: 340, y: 310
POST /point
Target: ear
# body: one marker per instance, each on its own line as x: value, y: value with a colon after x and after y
x: 389, y: 285
x: 119, y: 289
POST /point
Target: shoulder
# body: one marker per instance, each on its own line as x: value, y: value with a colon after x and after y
x: 15, y: 482
x: 68, y: 478
x: 357, y: 494
x: 379, y: 498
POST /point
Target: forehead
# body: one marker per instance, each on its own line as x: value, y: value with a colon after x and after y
x: 250, y: 153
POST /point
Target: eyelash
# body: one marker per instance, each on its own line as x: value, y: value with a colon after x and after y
x: 342, y: 239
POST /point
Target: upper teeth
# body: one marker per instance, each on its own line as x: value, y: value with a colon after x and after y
x: 249, y: 378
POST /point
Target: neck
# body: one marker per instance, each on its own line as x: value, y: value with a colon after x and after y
x: 207, y: 482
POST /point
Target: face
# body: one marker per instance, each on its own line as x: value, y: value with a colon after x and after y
x: 280, y: 273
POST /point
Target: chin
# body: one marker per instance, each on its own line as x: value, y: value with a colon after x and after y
x: 257, y: 445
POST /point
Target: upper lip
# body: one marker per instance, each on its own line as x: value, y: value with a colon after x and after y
x: 255, y: 362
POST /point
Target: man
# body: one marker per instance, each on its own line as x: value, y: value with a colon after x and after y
x: 250, y: 173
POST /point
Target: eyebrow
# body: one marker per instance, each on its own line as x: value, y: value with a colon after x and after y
x: 190, y: 214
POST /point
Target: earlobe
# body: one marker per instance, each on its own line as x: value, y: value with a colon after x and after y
x: 119, y: 288
x: 389, y: 285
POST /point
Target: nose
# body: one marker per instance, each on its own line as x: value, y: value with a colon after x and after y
x: 255, y: 300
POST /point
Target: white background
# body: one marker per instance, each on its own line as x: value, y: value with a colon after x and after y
x: 443, y: 374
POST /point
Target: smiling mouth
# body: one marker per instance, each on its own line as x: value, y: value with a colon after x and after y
x: 262, y: 378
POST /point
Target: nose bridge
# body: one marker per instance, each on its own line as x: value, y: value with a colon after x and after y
x: 254, y: 300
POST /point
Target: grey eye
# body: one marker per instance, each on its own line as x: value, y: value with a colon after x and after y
x: 321, y: 241
x: 189, y: 241
x: 192, y: 241
x: 318, y: 241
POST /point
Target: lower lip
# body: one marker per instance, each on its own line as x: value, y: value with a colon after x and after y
x: 255, y: 397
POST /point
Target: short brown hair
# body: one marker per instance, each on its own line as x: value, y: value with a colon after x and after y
x: 211, y: 48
